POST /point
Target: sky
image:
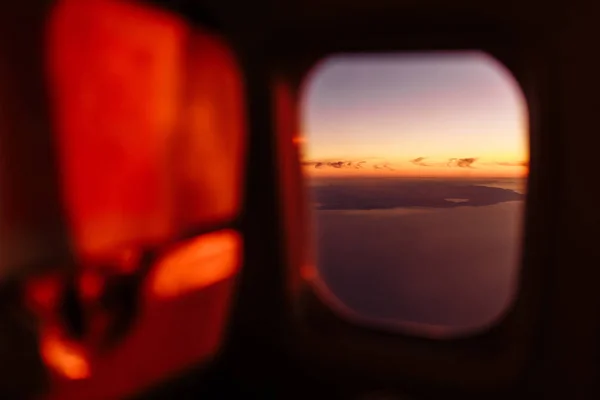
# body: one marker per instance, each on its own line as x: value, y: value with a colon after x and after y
x: 414, y: 114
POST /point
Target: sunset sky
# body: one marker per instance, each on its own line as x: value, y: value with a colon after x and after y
x: 421, y: 114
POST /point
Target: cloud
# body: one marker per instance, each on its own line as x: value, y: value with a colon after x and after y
x: 341, y: 164
x: 379, y: 163
x: 419, y: 161
x: 514, y: 164
x: 385, y: 165
x: 461, y: 162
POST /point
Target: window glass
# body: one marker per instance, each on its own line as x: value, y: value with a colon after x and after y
x: 417, y: 167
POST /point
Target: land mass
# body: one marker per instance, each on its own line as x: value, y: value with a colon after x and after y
x: 349, y: 195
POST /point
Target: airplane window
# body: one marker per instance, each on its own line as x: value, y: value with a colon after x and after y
x: 417, y: 166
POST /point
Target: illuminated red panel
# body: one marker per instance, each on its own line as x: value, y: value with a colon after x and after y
x: 169, y: 336
x: 179, y: 325
x: 150, y: 131
x: 196, y: 264
x: 208, y: 261
x: 115, y: 70
x: 209, y: 147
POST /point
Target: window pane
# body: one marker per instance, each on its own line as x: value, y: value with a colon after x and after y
x: 417, y: 167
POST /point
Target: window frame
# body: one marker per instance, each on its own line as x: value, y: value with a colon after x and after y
x: 498, y: 356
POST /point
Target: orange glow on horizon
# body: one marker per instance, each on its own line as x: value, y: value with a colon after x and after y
x: 196, y: 264
x: 410, y: 114
x: 513, y: 172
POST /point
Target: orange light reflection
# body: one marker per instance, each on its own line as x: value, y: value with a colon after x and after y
x: 64, y: 357
x: 196, y: 264
x: 42, y: 293
x: 308, y: 272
